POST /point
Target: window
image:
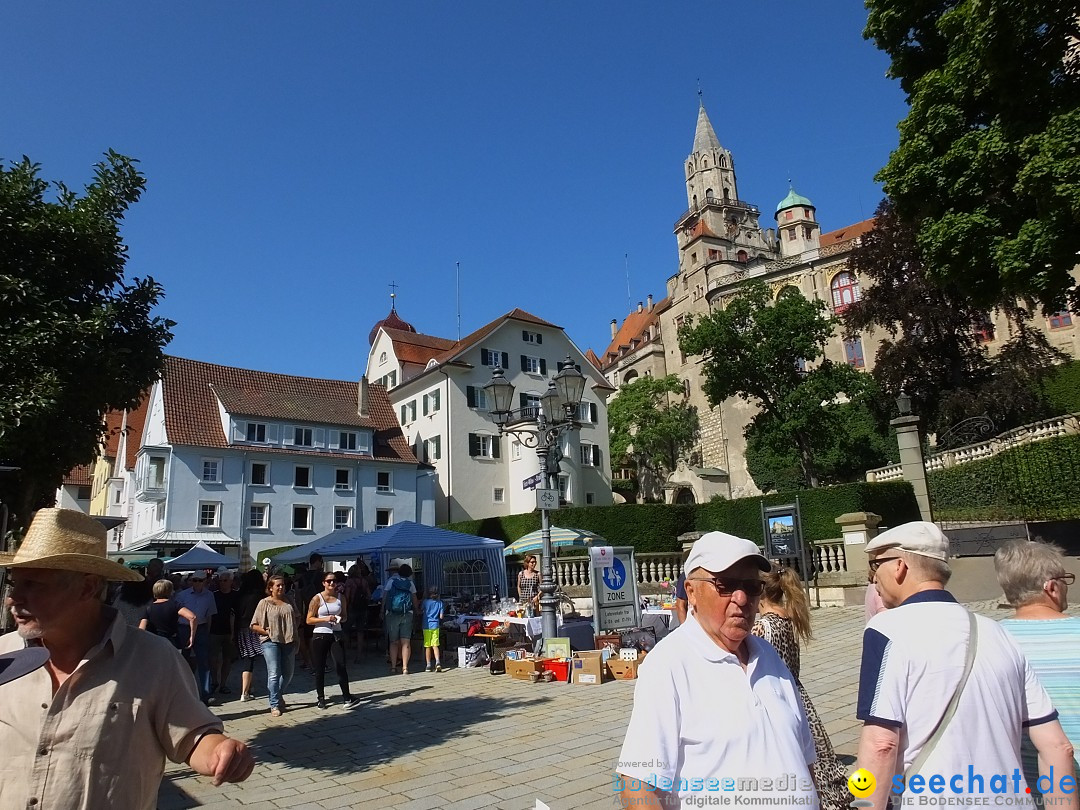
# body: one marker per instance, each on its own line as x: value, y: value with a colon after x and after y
x: 800, y: 366
x: 533, y: 365
x: 301, y: 518
x: 342, y: 479
x: 476, y: 397
x: 83, y: 494
x: 693, y: 258
x: 343, y: 517
x: 742, y: 256
x: 259, y: 516
x: 497, y: 495
x: 845, y: 290
x: 211, y: 471
x: 590, y: 454
x: 515, y: 449
x: 433, y: 449
x: 564, y: 488
x: 347, y: 440
x: 209, y: 514
x: 791, y: 234
x: 483, y: 445
x: 789, y: 214
x: 983, y: 328
x: 383, y: 518
x: 408, y: 412
x: 432, y: 401
x: 530, y: 405
x: 302, y: 477
x: 159, y: 513
x: 1060, y: 320
x: 384, y: 481
x: 494, y: 359
x: 382, y: 357
x: 532, y: 337
x: 808, y: 213
x: 256, y: 432
x: 156, y: 473
x: 590, y: 498
x: 303, y: 437
x: 466, y: 577
x: 260, y: 474
x: 853, y: 353
x: 587, y: 412
x: 807, y: 232
x: 713, y: 254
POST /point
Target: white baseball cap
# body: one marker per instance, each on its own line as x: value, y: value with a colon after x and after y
x: 717, y: 551
x: 918, y: 537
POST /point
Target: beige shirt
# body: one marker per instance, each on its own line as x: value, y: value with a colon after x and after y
x: 279, y: 620
x: 102, y: 739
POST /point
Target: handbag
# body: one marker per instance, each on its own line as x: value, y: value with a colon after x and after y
x: 950, y: 710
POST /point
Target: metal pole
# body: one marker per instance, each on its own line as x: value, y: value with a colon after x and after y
x: 548, y: 620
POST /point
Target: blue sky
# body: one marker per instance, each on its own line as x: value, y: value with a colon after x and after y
x: 301, y: 156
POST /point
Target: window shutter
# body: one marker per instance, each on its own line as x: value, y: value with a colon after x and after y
x: 333, y: 439
x: 523, y: 400
x: 524, y: 363
x: 239, y: 431
x: 289, y: 437
x: 470, y: 395
x: 425, y: 404
x: 596, y: 455
x: 525, y: 335
x: 505, y: 360
x: 495, y: 451
x: 484, y: 357
x: 539, y: 338
x: 474, y: 444
x: 592, y: 413
x: 272, y: 433
x: 320, y: 437
x: 543, y: 366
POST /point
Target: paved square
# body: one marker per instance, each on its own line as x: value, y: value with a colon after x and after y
x: 466, y: 739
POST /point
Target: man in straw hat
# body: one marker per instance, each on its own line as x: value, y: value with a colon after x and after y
x: 943, y: 693
x: 93, y: 727
x: 714, y: 704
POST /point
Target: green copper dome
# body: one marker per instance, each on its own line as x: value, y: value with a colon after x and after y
x: 793, y: 200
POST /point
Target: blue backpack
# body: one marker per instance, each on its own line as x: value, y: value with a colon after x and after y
x: 400, y: 596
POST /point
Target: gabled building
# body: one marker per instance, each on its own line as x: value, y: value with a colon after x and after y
x: 257, y: 461
x: 75, y: 489
x: 436, y: 388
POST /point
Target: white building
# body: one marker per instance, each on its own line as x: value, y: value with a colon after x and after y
x: 259, y: 461
x: 436, y: 388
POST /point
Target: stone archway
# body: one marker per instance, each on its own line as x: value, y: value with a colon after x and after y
x: 685, y: 495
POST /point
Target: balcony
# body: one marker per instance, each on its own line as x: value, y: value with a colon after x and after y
x: 716, y: 202
x: 150, y: 490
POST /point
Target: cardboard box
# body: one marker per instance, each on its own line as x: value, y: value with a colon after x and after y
x: 624, y: 670
x: 520, y: 669
x: 587, y: 667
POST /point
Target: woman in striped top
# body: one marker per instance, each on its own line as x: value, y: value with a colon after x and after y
x: 1036, y: 585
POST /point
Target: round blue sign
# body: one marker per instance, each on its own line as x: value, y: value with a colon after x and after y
x: 615, y: 575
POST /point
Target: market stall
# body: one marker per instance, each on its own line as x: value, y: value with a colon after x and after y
x: 200, y: 557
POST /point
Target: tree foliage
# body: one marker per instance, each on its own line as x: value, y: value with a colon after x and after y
x: 932, y: 351
x: 988, y: 163
x: 76, y: 337
x: 772, y: 355
x: 649, y: 430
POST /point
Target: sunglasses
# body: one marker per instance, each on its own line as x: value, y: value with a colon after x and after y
x: 329, y: 582
x: 726, y: 586
x: 874, y: 565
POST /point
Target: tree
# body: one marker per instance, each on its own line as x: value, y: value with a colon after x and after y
x: 932, y: 351
x: 772, y: 355
x: 648, y: 430
x: 76, y: 337
x: 988, y: 165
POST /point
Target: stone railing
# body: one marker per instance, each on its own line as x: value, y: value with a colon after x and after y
x: 1025, y: 434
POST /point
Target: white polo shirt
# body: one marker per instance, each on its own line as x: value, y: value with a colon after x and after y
x: 912, y: 660
x: 703, y: 727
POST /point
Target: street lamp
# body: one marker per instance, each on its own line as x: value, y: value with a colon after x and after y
x: 541, y: 430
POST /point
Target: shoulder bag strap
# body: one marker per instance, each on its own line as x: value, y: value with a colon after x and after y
x: 950, y: 710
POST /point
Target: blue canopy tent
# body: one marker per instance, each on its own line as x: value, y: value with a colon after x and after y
x: 198, y: 557
x: 451, y: 561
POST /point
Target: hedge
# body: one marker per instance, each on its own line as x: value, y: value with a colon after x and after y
x: 1034, y: 481
x: 652, y: 527
x: 1062, y: 388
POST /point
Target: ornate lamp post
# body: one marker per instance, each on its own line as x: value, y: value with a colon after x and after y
x: 909, y: 441
x: 541, y: 430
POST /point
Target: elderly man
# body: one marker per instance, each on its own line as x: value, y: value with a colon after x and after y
x: 202, y: 603
x: 943, y: 693
x: 223, y: 627
x: 716, y: 713
x: 93, y: 727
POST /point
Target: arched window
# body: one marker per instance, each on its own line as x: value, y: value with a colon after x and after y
x: 382, y: 357
x: 629, y: 377
x: 695, y: 201
x: 742, y: 256
x: 708, y: 194
x: 845, y: 290
x: 727, y: 194
x: 723, y: 162
x: 704, y: 163
x: 788, y: 289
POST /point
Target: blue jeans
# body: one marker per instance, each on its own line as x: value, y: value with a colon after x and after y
x: 280, y: 660
x: 199, y: 657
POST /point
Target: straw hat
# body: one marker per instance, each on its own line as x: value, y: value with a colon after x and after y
x: 67, y: 541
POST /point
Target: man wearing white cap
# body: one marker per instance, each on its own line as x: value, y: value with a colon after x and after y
x: 716, y: 713
x: 92, y: 728
x: 943, y: 693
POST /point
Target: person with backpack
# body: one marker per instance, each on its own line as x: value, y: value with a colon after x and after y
x: 399, y: 607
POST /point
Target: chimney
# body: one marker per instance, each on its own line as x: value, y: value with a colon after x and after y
x: 639, y: 306
x: 362, y: 397
x: 650, y: 302
x: 614, y: 328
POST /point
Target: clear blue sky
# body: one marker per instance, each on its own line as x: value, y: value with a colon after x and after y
x: 301, y: 156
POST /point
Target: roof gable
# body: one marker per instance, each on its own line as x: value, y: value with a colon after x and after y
x: 846, y: 234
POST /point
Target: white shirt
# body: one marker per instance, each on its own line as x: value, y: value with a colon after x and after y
x: 913, y: 658
x: 703, y: 727
x: 326, y: 610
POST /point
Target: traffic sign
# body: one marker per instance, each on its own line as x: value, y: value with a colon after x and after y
x: 532, y: 482
x: 547, y: 499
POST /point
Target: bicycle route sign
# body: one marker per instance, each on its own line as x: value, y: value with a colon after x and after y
x: 614, y: 587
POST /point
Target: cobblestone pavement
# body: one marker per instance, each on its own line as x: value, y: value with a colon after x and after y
x: 465, y: 739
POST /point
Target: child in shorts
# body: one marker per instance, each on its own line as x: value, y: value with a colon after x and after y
x: 432, y: 612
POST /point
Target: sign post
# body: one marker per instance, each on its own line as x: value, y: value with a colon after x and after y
x: 782, y: 529
x: 614, y: 588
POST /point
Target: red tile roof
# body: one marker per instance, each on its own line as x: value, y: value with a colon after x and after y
x: 413, y: 347
x: 633, y: 328
x: 81, y: 476
x: 136, y: 419
x: 590, y: 355
x: 846, y: 234
x: 192, y: 417
x: 114, y: 421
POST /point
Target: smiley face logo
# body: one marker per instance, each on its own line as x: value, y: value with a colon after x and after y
x: 861, y: 783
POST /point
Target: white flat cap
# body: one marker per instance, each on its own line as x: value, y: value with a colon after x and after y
x: 717, y: 551
x: 918, y: 537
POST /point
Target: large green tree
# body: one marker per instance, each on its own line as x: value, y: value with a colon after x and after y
x: 77, y: 337
x: 650, y: 431
x: 988, y: 164
x: 772, y: 354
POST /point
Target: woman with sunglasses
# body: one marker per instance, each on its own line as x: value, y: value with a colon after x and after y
x: 327, y: 614
x: 783, y: 620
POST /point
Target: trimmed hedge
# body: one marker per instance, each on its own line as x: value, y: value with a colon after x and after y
x: 1035, y: 481
x: 651, y: 527
x: 1062, y: 388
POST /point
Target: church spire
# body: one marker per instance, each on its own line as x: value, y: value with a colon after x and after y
x: 704, y: 136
